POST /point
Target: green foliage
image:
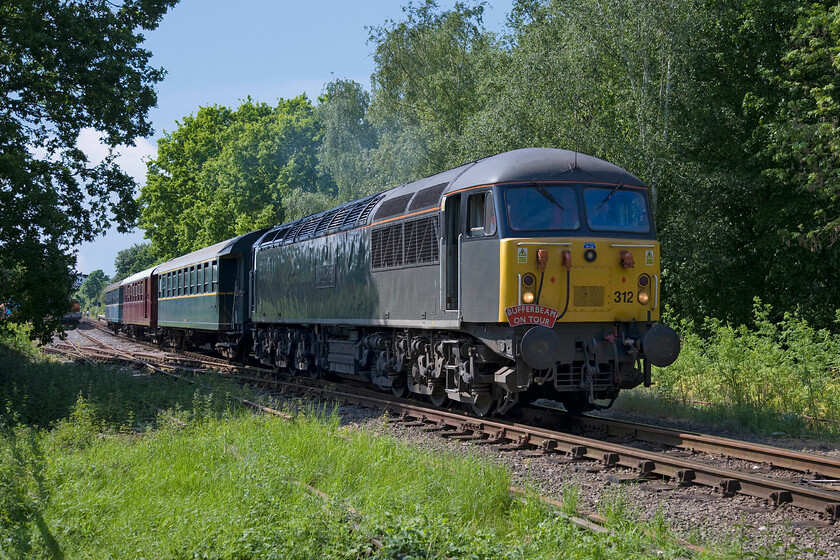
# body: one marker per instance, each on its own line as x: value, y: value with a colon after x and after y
x: 727, y: 110
x: 223, y: 173
x: 91, y: 293
x: 776, y: 373
x: 66, y: 67
x: 136, y: 258
x: 348, y: 140
x: 16, y: 338
x: 429, y: 69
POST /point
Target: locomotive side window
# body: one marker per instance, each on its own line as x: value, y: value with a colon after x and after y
x: 541, y: 208
x: 616, y: 209
x: 481, y: 215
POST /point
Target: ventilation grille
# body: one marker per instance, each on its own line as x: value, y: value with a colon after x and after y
x: 406, y: 244
x: 421, y: 241
x: 589, y: 296
x: 386, y: 247
x: 348, y: 216
x: 393, y: 207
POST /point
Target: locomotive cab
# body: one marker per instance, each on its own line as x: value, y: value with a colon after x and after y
x: 580, y: 287
x: 575, y: 266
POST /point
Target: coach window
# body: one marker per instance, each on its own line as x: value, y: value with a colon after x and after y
x: 206, y: 277
x: 215, y: 275
x: 481, y: 216
x: 180, y: 282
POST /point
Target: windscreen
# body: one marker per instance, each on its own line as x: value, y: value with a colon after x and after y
x: 616, y: 209
x: 542, y: 208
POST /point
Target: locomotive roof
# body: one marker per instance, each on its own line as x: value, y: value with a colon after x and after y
x: 236, y: 245
x: 523, y: 165
x: 542, y: 164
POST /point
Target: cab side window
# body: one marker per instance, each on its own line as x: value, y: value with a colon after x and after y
x: 481, y: 215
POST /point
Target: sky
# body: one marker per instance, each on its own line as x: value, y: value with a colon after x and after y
x: 220, y: 52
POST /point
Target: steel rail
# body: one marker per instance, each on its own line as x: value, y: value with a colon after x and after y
x: 827, y: 467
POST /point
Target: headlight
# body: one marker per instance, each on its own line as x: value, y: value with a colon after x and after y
x: 643, y: 298
x: 528, y: 297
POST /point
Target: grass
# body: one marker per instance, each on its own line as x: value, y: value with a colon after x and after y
x: 101, y: 462
x: 121, y: 465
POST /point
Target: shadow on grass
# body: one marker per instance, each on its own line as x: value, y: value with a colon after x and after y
x: 24, y: 495
x: 39, y: 393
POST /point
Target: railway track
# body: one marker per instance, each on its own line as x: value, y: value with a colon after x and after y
x: 809, y: 484
x: 644, y: 465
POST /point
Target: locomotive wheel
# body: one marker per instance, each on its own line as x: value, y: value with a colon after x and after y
x: 438, y: 396
x: 399, y: 388
x: 575, y: 403
x: 483, y: 405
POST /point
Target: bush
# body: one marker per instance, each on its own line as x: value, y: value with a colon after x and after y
x: 787, y: 369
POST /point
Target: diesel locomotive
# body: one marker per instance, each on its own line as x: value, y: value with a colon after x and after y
x: 530, y: 274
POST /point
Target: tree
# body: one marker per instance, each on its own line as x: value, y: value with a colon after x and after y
x: 135, y: 259
x: 348, y: 140
x: 65, y: 67
x: 426, y: 86
x: 91, y: 290
x: 798, y: 143
x: 223, y: 173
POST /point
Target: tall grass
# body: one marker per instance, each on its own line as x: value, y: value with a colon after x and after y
x: 233, y: 487
x: 122, y: 468
x: 776, y: 373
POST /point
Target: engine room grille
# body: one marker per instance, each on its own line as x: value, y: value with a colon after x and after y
x: 405, y: 244
x: 589, y: 296
x: 386, y: 247
x: 421, y: 241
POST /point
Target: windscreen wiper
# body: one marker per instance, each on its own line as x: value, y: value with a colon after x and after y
x: 543, y: 191
x: 612, y: 192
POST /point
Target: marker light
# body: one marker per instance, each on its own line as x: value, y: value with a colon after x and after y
x: 643, y: 298
x: 528, y: 297
x: 528, y: 280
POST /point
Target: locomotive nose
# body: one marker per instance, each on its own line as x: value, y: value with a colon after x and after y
x: 661, y: 345
x: 540, y: 347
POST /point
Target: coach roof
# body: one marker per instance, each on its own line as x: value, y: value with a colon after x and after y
x: 236, y: 245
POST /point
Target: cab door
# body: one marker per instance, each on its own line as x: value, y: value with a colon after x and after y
x: 451, y: 243
x: 478, y: 256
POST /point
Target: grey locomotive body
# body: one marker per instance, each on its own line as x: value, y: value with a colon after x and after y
x: 451, y: 287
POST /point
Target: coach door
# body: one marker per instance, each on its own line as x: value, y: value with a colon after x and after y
x: 450, y: 263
